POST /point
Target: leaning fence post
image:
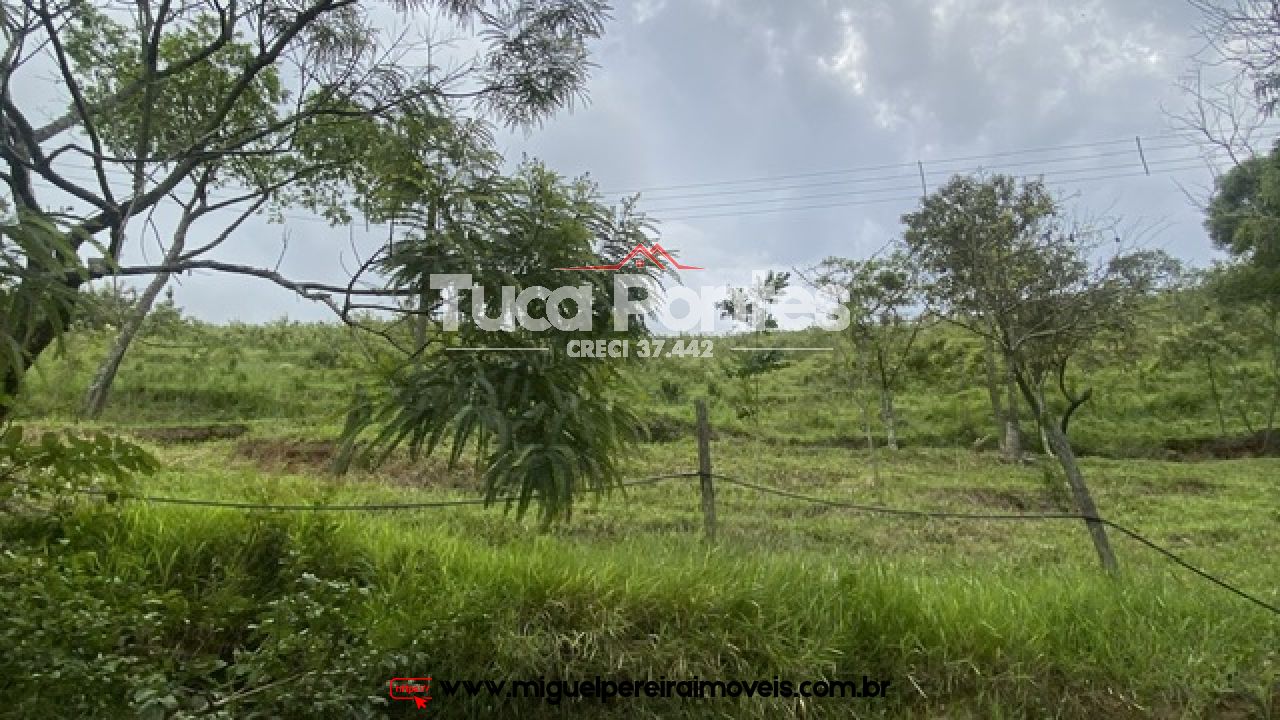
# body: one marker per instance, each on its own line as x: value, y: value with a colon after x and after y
x: 704, y: 471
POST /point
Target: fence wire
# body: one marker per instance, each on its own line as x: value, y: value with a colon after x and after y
x: 350, y: 507
x: 764, y: 489
x: 879, y: 510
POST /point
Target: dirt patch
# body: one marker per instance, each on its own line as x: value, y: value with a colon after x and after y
x: 189, y: 433
x: 288, y: 455
x: 1003, y: 500
x: 427, y: 472
x: 314, y: 457
x: 1219, y: 448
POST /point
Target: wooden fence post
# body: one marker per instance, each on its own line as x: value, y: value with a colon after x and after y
x: 704, y: 471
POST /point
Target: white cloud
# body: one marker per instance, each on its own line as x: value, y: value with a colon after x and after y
x: 847, y: 62
x: 643, y: 11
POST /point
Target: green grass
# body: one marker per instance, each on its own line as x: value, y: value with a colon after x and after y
x: 981, y: 619
x: 303, y: 374
x: 157, y: 610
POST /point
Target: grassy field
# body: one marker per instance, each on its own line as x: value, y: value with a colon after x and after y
x: 303, y: 374
x: 170, y: 611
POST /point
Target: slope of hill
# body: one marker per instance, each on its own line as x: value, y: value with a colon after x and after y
x: 177, y: 611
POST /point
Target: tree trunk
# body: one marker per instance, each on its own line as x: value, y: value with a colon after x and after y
x: 993, y: 388
x: 1080, y: 491
x: 1217, y: 399
x: 1012, y: 423
x: 889, y: 417
x: 33, y: 337
x: 1067, y: 459
x: 420, y: 324
x: 1271, y: 420
x: 864, y: 383
x: 1275, y: 380
x: 1243, y: 412
x: 96, y: 397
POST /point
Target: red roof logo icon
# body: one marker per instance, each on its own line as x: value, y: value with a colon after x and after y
x: 638, y: 256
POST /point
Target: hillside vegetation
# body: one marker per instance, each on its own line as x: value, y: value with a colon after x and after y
x: 1151, y: 398
x: 1031, y: 474
x: 171, y: 611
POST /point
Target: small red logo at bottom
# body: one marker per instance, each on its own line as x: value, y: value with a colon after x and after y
x: 416, y: 690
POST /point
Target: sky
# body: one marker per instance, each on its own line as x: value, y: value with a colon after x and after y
x: 770, y: 135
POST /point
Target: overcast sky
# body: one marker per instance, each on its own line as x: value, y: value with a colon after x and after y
x: 710, y: 93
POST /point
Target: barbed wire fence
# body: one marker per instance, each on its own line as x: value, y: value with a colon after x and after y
x: 706, y: 481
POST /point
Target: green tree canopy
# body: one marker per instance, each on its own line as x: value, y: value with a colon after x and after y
x: 544, y: 427
x: 1001, y: 261
x: 274, y: 102
x: 1243, y: 219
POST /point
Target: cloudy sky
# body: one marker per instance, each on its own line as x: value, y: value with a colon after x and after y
x: 766, y: 134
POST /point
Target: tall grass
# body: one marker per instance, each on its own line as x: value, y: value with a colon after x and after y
x: 163, y: 612
x: 385, y: 597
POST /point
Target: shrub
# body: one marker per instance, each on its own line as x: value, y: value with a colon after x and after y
x: 58, y: 465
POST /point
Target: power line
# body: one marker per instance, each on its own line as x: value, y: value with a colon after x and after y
x: 861, y: 198
x: 912, y: 186
x: 853, y: 203
x: 893, y: 184
x: 913, y: 176
x: 915, y: 197
x: 864, y: 168
x: 903, y: 188
x: 814, y: 196
x: 912, y: 166
x: 1129, y: 141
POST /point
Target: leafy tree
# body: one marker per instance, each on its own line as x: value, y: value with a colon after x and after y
x: 1002, y: 263
x: 983, y: 221
x: 1204, y: 334
x: 748, y: 368
x: 752, y: 307
x: 1243, y: 219
x: 880, y: 294
x: 239, y: 108
x: 105, y: 305
x: 544, y: 427
x: 35, y: 298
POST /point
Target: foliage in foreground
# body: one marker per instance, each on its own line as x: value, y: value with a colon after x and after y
x: 58, y: 465
x: 168, y: 613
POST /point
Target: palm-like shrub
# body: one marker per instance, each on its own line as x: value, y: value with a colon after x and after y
x: 545, y: 427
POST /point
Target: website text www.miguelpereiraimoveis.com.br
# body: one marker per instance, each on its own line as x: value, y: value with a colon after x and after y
x: 601, y: 689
